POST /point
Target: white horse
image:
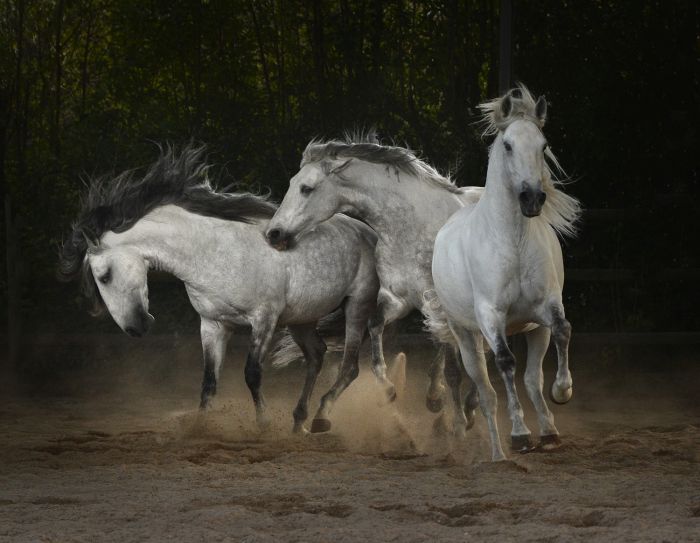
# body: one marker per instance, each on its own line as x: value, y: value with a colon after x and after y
x: 406, y: 202
x: 172, y: 220
x: 498, y: 267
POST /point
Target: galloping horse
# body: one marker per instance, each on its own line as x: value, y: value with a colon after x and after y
x: 406, y: 202
x: 498, y: 267
x: 172, y: 219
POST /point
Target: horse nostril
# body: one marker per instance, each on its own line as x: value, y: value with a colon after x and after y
x: 274, y: 234
x: 133, y: 332
x: 523, y: 196
x: 542, y: 197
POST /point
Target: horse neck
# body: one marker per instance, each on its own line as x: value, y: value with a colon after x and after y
x: 396, y: 204
x: 498, y: 205
x: 167, y: 238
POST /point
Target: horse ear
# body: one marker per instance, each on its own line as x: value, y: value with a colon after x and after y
x: 92, y: 246
x: 341, y: 166
x: 541, y: 109
x: 506, y: 106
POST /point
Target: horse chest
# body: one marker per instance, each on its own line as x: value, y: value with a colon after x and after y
x: 405, y: 271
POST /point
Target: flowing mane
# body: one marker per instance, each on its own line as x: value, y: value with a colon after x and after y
x: 560, y: 210
x: 368, y: 148
x: 116, y: 203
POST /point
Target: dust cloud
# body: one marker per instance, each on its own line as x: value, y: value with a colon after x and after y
x: 120, y: 453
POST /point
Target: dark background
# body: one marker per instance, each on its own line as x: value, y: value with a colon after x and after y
x: 87, y: 87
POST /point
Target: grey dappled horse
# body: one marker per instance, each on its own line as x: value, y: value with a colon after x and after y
x: 406, y: 202
x: 172, y: 219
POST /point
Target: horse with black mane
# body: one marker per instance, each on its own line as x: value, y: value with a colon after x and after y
x: 170, y: 218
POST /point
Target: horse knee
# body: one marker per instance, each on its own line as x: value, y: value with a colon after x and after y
x: 561, y: 328
x: 505, y: 362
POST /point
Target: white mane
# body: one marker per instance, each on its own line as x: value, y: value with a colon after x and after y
x: 368, y: 148
x: 560, y: 210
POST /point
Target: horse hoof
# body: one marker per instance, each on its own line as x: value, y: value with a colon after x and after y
x: 558, y: 396
x: 299, y: 430
x: 434, y: 405
x: 320, y: 425
x: 550, y: 442
x: 521, y: 443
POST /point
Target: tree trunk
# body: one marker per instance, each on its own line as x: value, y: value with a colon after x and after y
x: 58, y: 69
x: 263, y: 59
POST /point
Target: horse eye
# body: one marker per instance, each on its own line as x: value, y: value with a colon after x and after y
x: 508, y: 147
x: 306, y: 190
x: 105, y: 278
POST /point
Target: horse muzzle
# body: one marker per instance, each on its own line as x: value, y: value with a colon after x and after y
x: 279, y: 239
x: 531, y: 202
x: 140, y: 324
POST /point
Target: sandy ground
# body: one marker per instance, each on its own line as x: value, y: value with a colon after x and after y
x: 134, y: 461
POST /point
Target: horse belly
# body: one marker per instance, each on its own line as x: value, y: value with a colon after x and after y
x: 453, y: 289
x: 316, y: 291
x: 311, y: 306
x: 216, y: 308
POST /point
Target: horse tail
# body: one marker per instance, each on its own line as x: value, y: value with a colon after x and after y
x: 331, y: 328
x: 435, y: 319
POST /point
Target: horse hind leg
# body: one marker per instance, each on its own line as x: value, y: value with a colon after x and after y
x: 260, y: 344
x: 453, y: 377
x: 562, y: 388
x: 355, y: 326
x: 376, y: 335
x: 314, y: 348
x: 437, y: 375
x: 214, y: 336
x: 471, y: 402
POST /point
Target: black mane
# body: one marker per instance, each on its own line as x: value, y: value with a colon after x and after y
x: 116, y: 203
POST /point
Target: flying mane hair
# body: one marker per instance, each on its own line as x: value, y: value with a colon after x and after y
x: 116, y: 203
x: 366, y: 146
x: 560, y: 210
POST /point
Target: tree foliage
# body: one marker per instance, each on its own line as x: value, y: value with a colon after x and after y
x: 87, y: 86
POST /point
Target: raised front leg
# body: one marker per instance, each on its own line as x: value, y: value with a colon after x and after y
x: 492, y: 325
x: 562, y: 389
x: 313, y: 347
x: 260, y: 344
x: 215, y: 336
x: 355, y: 326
